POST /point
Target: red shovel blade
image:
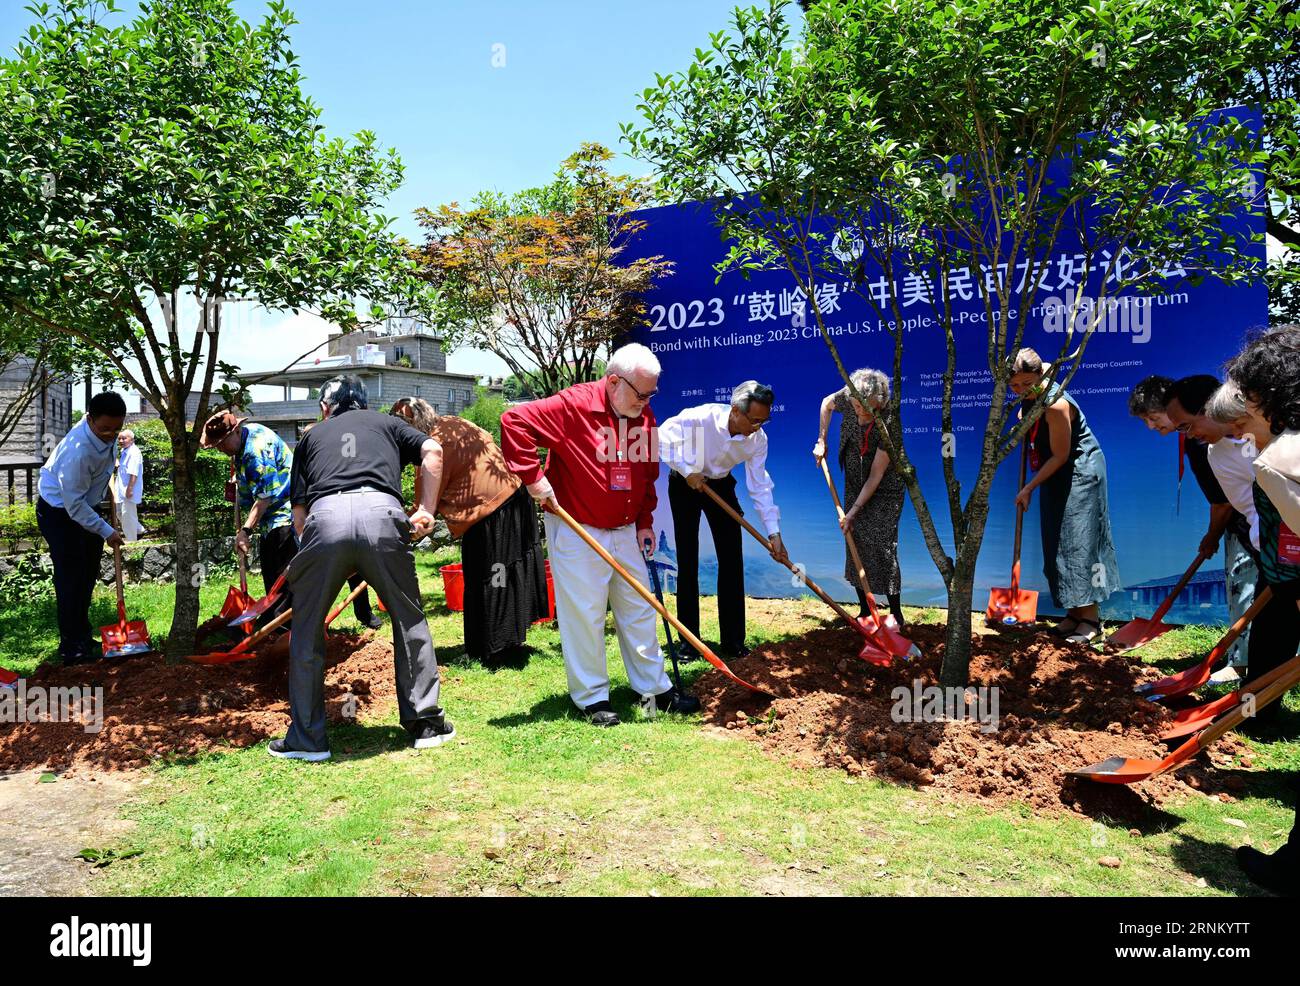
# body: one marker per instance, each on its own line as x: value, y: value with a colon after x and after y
x: 1195, y: 719
x: 1118, y: 770
x: 1010, y: 606
x: 1129, y: 770
x: 255, y: 610
x: 883, y: 638
x: 237, y: 602
x: 223, y: 657
x: 7, y: 678
x: 1135, y: 633
x: 1181, y: 683
x: 125, y: 639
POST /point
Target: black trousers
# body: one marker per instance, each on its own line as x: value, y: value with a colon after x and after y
x: 1274, y: 638
x: 75, y: 553
x: 277, y: 550
x: 687, y: 505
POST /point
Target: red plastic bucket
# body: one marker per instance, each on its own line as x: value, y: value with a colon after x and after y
x: 453, y: 584
x: 550, y: 597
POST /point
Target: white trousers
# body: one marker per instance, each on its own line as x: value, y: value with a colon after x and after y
x: 126, y: 516
x: 584, y: 586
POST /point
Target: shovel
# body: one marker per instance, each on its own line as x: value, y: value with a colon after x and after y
x: 1128, y: 770
x: 883, y: 633
x: 255, y: 610
x: 1137, y: 632
x: 645, y: 594
x: 238, y: 601
x: 1194, y: 719
x: 122, y: 639
x: 1012, y: 605
x: 871, y: 651
x: 1198, y: 674
x: 243, y: 651
x: 652, y: 567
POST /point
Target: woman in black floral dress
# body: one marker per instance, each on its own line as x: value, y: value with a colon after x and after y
x: 873, y: 489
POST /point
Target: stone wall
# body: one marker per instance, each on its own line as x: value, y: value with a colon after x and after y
x: 157, y: 562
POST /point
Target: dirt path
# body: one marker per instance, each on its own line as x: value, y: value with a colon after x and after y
x: 44, y: 826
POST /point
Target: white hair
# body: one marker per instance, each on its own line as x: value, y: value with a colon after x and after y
x: 749, y: 391
x: 628, y: 359
x: 1226, y: 404
x: 871, y: 384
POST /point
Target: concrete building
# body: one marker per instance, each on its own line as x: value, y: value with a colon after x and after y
x: 402, y: 359
x: 40, y: 427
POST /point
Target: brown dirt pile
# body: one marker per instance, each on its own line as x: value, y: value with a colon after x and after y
x: 152, y: 709
x: 1060, y: 706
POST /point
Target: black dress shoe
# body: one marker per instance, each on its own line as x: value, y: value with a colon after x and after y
x: 687, y: 653
x: 373, y: 621
x: 736, y: 652
x: 601, y: 714
x: 1278, y: 872
x: 679, y: 702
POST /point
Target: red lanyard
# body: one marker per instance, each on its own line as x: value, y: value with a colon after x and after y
x: 1034, y: 459
x: 866, y: 436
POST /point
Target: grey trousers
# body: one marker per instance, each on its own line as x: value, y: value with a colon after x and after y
x: 366, y: 532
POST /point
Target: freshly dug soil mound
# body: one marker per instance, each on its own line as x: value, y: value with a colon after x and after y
x: 153, y: 709
x: 1060, y: 707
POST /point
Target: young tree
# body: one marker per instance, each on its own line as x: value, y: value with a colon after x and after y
x: 535, y: 278
x: 954, y: 140
x: 170, y: 157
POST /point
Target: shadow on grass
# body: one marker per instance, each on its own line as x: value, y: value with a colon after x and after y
x: 1216, y: 864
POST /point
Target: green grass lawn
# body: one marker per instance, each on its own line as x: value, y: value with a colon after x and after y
x: 531, y: 800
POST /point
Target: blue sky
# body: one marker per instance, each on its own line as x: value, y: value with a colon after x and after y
x: 421, y: 75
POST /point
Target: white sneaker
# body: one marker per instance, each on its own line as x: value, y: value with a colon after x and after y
x: 1225, y: 676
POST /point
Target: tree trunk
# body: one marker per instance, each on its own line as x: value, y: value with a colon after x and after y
x: 189, y: 575
x: 955, y: 672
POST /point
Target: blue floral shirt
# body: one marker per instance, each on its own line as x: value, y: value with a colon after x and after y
x: 263, y: 472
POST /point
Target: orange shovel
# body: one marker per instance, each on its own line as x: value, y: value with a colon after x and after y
x: 1190, y: 679
x: 123, y: 638
x: 871, y: 651
x: 883, y: 632
x: 1194, y: 719
x: 1012, y: 605
x: 1128, y: 770
x: 1137, y: 632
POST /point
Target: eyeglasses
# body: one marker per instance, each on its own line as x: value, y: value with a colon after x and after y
x: 640, y: 396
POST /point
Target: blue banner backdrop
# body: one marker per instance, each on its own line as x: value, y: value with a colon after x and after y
x: 711, y: 336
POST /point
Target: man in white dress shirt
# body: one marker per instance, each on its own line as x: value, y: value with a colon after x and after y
x: 128, y: 484
x: 701, y: 446
x: 1231, y: 461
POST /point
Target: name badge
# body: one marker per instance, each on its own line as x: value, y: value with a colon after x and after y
x: 1288, y: 546
x: 620, y: 478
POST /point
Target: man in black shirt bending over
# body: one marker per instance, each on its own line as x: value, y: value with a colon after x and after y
x: 347, y: 510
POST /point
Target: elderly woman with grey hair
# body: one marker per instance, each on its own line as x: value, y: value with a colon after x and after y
x: 701, y: 446
x: 873, y: 488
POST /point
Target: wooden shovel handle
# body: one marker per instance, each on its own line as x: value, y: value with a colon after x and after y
x: 1243, y: 621
x: 853, y: 547
x: 1271, y: 693
x: 1178, y: 588
x: 351, y: 596
x: 822, y: 593
x: 648, y: 596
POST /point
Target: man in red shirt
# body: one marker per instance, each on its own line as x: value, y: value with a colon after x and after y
x: 602, y: 465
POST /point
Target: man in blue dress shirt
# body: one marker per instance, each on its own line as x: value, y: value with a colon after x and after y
x: 73, y: 482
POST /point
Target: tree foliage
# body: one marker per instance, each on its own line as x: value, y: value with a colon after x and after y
x: 177, y: 156
x: 536, y: 277
x: 934, y: 132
